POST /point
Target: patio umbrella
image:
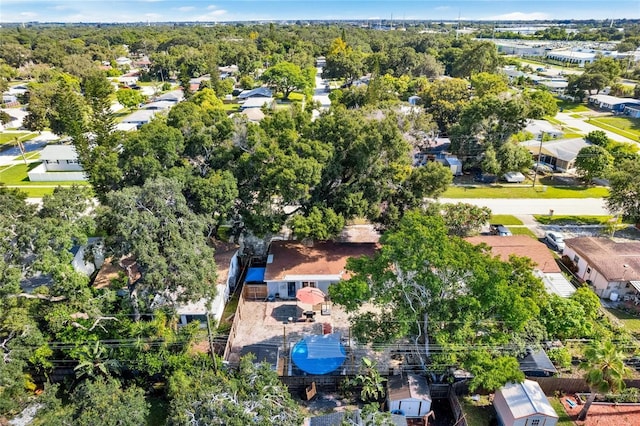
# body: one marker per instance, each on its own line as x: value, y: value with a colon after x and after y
x: 310, y: 295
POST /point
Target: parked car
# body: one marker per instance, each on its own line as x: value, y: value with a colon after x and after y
x: 501, y: 230
x: 555, y: 240
x: 513, y: 177
x: 542, y: 168
x: 485, y: 178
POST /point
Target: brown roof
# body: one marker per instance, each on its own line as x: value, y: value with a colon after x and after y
x: 323, y: 258
x: 609, y: 257
x: 410, y: 386
x: 519, y: 245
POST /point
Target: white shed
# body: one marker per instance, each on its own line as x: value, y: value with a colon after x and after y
x: 409, y: 395
x: 523, y: 404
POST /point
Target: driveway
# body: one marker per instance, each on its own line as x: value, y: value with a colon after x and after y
x: 584, y: 127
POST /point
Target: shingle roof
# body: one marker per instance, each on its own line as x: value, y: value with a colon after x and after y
x: 519, y: 245
x: 609, y: 257
x: 410, y: 386
x: 324, y: 258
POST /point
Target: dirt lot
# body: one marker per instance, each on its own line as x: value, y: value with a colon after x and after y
x: 606, y: 415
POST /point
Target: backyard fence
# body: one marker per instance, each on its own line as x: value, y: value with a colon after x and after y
x: 570, y: 385
x: 233, y: 332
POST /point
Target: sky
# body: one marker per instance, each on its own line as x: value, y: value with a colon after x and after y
x: 249, y: 10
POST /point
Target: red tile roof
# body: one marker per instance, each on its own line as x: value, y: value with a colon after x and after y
x: 609, y: 257
x: 519, y: 245
x: 323, y: 258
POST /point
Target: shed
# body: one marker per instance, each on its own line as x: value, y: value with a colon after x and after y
x: 452, y: 162
x: 409, y: 395
x: 522, y: 404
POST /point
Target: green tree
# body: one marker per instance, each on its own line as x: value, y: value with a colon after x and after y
x: 370, y: 380
x: 593, y: 162
x: 462, y: 219
x: 605, y: 372
x: 490, y: 163
x: 514, y: 157
x: 445, y: 99
x: 485, y: 83
x: 624, y: 192
x: 154, y: 225
x: 476, y: 58
x: 67, y: 115
x: 491, y: 371
x: 130, y: 98
x: 285, y: 77
x: 540, y: 103
x: 250, y: 394
x: 320, y: 223
x: 597, y: 137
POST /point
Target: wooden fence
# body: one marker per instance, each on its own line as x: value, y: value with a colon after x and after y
x: 255, y: 291
x: 569, y: 385
x: 233, y: 332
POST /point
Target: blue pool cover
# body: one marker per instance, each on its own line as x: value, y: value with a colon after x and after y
x: 255, y: 275
x: 319, y: 354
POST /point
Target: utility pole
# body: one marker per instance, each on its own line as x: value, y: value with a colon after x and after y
x: 535, y: 172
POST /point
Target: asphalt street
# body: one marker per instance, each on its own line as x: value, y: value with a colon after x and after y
x: 584, y: 127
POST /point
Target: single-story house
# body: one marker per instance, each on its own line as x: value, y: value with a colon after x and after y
x: 174, y: 96
x: 353, y: 418
x: 632, y: 111
x: 560, y: 154
x: 523, y: 404
x: 159, y: 105
x: 537, y: 364
x: 59, y: 163
x: 126, y: 127
x: 556, y: 85
x: 538, y: 127
x: 139, y: 118
x: 18, y: 89
x: 258, y: 92
x: 228, y: 71
x: 123, y: 60
x: 408, y: 395
x: 545, y: 266
x: 8, y: 98
x: 292, y: 265
x: 227, y: 262
x: 255, y: 103
x: 452, y: 162
x: 612, y: 103
x: 610, y: 267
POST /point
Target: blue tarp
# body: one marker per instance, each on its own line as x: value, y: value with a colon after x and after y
x: 318, y: 354
x: 255, y: 275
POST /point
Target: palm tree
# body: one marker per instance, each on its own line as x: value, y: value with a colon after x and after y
x: 605, y: 372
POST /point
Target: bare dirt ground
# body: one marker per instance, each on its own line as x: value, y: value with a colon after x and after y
x: 605, y: 415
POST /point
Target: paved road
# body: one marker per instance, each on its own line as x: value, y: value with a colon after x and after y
x: 528, y: 206
x: 584, y: 127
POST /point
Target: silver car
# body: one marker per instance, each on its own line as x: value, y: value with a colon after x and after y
x: 555, y: 240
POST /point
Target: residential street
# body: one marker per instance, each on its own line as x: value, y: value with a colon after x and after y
x: 584, y: 127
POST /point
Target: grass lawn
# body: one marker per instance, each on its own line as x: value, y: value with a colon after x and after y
x: 571, y: 220
x: 230, y: 107
x: 497, y: 191
x: 571, y: 106
x: 522, y: 230
x: 14, y: 175
x: 623, y: 126
x: 477, y: 413
x: 563, y: 417
x: 571, y: 135
x: 629, y: 322
x: 8, y: 138
x: 505, y: 219
x: 553, y: 121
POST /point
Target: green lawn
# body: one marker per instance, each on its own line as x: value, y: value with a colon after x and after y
x: 553, y: 120
x: 571, y: 135
x: 498, y: 191
x: 563, y: 417
x: 522, y: 230
x: 10, y: 137
x: 571, y: 106
x: 14, y: 175
x: 505, y: 219
x: 230, y: 107
x: 630, y: 322
x: 623, y: 126
x: 477, y: 413
x: 572, y: 220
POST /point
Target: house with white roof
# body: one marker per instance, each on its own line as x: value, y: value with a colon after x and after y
x: 174, y: 96
x: 256, y: 103
x: 539, y: 127
x: 561, y: 154
x: 139, y: 118
x: 523, y: 404
x: 59, y: 163
x: 159, y: 105
x: 613, y: 103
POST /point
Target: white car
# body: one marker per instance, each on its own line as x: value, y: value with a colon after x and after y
x: 555, y: 240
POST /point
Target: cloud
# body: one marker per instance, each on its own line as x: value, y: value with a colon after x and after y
x: 186, y: 8
x: 213, y: 15
x: 212, y: 6
x: 520, y: 16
